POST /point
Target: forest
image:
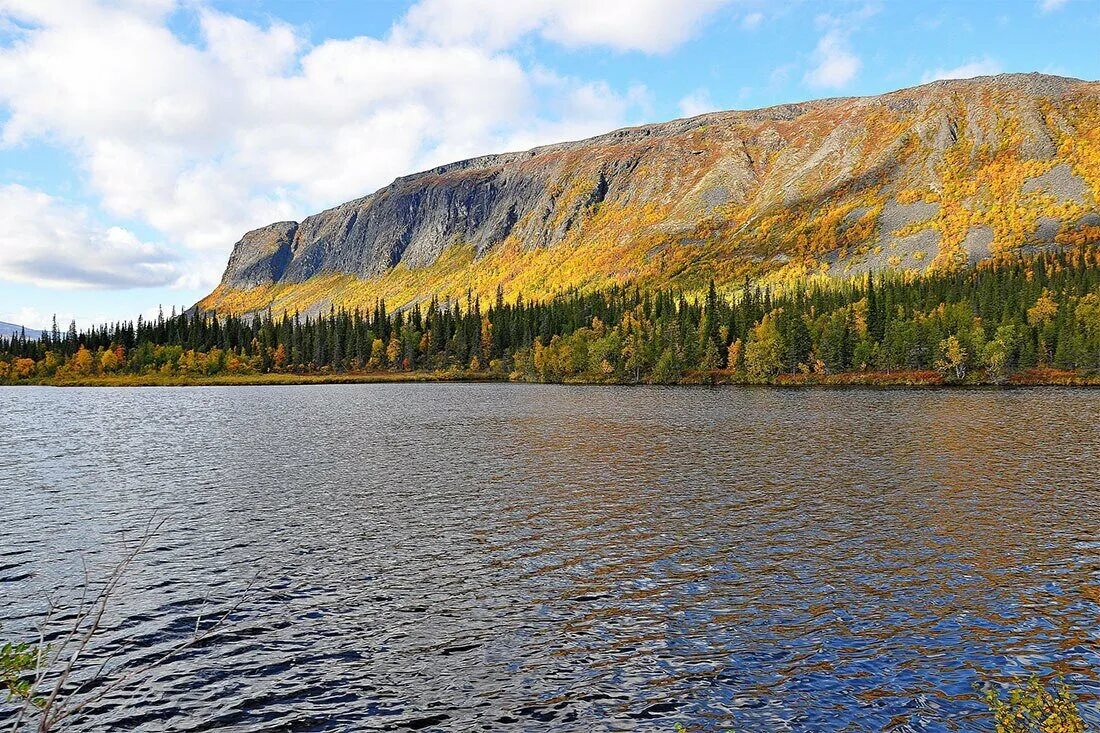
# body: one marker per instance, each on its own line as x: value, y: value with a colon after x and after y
x: 1029, y: 319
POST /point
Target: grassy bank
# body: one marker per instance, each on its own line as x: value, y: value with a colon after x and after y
x: 270, y: 378
x: 912, y: 378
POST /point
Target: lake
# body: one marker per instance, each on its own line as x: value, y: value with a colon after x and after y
x: 460, y: 557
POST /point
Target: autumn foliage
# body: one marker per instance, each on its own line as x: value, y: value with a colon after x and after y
x: 1007, y: 321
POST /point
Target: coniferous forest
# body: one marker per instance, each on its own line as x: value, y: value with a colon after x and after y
x: 1025, y: 320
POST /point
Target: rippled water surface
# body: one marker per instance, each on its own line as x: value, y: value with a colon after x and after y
x: 520, y: 558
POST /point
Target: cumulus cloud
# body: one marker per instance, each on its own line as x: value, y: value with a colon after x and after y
x: 834, y: 62
x: 697, y: 103
x: 650, y: 26
x: 978, y: 67
x: 1048, y: 6
x: 250, y: 124
x: 48, y: 243
x: 28, y: 317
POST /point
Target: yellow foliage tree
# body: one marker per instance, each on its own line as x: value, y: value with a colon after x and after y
x: 83, y: 361
x: 953, y: 358
x: 764, y: 352
x: 393, y: 352
x: 377, y: 354
x: 111, y: 359
x: 1043, y: 311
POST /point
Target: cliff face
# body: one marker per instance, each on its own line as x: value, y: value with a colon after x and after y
x: 262, y: 256
x: 933, y: 176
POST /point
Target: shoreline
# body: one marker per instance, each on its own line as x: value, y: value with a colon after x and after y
x: 903, y: 379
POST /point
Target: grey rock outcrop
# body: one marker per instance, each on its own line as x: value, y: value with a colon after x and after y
x: 261, y: 256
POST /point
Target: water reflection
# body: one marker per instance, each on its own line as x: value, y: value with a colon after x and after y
x: 498, y: 557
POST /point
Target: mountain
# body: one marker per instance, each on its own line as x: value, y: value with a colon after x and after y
x: 8, y: 329
x: 935, y: 176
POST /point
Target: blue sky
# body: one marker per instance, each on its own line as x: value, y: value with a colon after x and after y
x: 141, y: 138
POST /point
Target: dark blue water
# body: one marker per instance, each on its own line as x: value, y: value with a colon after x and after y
x: 523, y: 558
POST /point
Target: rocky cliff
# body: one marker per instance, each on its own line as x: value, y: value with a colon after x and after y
x: 934, y: 176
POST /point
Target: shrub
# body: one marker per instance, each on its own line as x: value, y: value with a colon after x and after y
x: 1035, y: 708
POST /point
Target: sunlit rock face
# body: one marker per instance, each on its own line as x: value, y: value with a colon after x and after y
x: 936, y: 176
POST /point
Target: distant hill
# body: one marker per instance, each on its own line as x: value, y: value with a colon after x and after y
x: 932, y: 177
x: 7, y: 329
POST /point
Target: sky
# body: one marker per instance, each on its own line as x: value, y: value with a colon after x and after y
x: 139, y: 139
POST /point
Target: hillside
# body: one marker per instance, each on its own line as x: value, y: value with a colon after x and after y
x: 930, y: 177
x: 12, y: 329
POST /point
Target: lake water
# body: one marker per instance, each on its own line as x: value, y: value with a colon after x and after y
x: 462, y: 557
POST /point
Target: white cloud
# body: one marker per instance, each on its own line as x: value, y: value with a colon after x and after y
x: 40, y: 320
x: 752, y: 21
x: 978, y: 67
x: 245, y: 49
x: 697, y: 103
x: 577, y: 110
x: 26, y: 316
x: 1048, y: 6
x: 834, y: 62
x: 203, y: 141
x: 47, y: 243
x: 651, y: 26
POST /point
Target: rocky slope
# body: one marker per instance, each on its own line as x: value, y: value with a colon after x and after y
x: 934, y: 176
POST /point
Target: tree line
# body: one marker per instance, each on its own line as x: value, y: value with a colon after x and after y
x: 980, y: 323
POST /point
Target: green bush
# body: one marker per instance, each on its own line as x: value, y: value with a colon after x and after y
x: 16, y: 661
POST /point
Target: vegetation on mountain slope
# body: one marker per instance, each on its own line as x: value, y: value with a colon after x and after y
x: 933, y: 178
x: 1009, y: 319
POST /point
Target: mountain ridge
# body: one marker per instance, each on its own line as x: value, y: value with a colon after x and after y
x: 14, y: 329
x: 937, y: 175
x: 464, y: 164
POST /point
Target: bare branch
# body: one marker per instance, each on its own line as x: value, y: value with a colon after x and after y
x: 57, y: 665
x: 55, y: 706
